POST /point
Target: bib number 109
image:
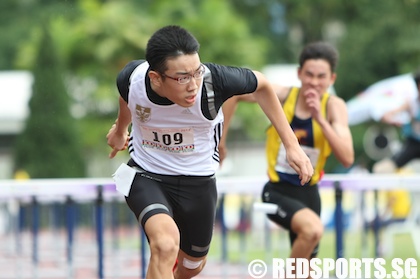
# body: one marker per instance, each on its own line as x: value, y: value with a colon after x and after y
x: 168, y: 139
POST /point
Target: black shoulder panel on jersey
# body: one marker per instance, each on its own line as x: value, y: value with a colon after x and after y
x: 223, y: 82
x: 123, y: 78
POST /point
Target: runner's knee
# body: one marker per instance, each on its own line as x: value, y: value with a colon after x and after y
x: 309, y: 228
x: 164, y: 246
x: 312, y: 233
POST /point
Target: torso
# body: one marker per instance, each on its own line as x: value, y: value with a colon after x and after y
x: 310, y: 138
x: 173, y: 140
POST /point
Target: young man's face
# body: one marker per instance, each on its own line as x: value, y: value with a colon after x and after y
x: 188, y: 69
x: 316, y: 74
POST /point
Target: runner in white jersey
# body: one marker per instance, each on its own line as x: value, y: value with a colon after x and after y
x: 161, y: 133
x: 410, y: 148
x: 384, y: 99
x: 172, y: 104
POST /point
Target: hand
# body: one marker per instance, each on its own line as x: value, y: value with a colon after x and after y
x: 300, y: 162
x: 389, y: 118
x: 117, y: 141
x: 313, y: 102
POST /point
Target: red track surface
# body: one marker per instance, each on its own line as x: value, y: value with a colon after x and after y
x: 121, y: 257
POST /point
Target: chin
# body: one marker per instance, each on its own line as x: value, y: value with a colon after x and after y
x: 187, y: 104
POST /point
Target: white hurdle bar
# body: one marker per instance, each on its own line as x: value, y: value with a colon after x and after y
x: 85, y: 188
x: 100, y: 189
x: 269, y: 208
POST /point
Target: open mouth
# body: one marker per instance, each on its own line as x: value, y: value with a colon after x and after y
x: 191, y: 99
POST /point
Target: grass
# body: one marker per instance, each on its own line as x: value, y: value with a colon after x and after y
x: 243, y: 248
x: 256, y: 244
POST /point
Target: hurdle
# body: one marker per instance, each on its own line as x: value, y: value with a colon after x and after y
x: 98, y: 190
x: 339, y: 183
x: 93, y: 189
x: 268, y: 208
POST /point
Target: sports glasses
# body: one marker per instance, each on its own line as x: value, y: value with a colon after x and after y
x: 187, y: 77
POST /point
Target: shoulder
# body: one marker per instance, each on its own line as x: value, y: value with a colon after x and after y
x: 283, y: 92
x: 130, y: 66
x: 218, y: 69
x: 336, y: 107
x: 125, y: 73
x: 230, y: 74
x: 232, y: 80
x: 334, y: 100
x: 123, y: 78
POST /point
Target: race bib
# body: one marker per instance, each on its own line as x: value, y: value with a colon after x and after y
x: 171, y: 140
x: 284, y: 167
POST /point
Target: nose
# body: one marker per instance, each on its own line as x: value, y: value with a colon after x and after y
x: 314, y: 81
x: 193, y: 84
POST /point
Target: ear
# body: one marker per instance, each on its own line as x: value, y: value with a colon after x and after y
x: 299, y: 71
x: 333, y: 78
x: 155, y: 78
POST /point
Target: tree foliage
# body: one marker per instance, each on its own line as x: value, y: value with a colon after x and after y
x: 49, y: 146
x: 381, y: 41
x: 96, y: 38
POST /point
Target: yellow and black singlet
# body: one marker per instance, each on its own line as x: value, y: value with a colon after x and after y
x: 310, y: 137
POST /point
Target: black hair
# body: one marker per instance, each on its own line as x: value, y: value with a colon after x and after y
x: 169, y: 42
x: 320, y: 50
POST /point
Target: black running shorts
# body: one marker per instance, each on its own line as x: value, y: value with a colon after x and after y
x: 291, y: 198
x: 190, y: 200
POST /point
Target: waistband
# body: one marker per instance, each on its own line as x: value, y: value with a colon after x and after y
x: 173, y: 179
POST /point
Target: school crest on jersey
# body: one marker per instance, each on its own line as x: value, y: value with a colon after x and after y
x: 143, y: 113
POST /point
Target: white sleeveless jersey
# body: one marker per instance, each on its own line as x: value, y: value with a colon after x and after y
x: 170, y: 139
x: 381, y: 97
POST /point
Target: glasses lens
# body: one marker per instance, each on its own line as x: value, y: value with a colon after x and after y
x: 199, y: 73
x: 184, y: 80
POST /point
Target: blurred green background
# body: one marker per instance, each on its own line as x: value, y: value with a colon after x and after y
x: 75, y: 49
